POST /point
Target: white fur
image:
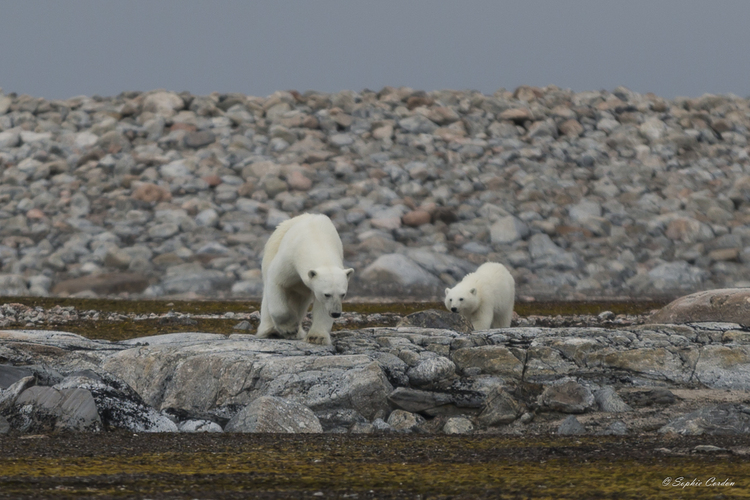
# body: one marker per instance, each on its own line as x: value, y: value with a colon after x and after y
x: 302, y: 264
x: 484, y: 297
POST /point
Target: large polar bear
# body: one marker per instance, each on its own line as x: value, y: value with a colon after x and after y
x: 484, y: 297
x: 302, y: 264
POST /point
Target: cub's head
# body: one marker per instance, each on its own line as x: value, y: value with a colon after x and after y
x: 461, y: 299
x: 329, y: 284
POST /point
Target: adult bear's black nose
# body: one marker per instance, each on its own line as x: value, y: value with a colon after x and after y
x: 454, y: 309
x: 335, y: 315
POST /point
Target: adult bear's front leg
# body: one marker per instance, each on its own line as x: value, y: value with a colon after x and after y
x: 322, y: 322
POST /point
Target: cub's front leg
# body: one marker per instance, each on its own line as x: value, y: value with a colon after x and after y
x: 482, y: 319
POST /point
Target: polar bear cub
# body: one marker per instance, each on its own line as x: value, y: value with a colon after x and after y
x: 303, y: 264
x: 484, y: 297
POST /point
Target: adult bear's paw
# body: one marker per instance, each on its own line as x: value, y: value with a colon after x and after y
x: 318, y: 338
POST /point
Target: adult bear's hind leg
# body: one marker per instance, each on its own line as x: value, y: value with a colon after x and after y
x: 266, y: 327
x: 283, y: 310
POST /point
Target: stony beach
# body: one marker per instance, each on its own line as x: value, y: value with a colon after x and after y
x: 581, y: 195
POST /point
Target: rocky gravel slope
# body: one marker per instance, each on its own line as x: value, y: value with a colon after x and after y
x: 583, y: 194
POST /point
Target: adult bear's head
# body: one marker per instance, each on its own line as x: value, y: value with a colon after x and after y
x: 329, y: 284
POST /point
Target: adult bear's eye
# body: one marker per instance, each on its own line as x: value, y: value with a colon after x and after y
x: 328, y: 295
x: 461, y: 299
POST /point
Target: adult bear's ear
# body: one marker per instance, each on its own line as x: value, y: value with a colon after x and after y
x: 311, y: 274
x: 348, y: 272
x: 447, y: 290
x: 473, y: 291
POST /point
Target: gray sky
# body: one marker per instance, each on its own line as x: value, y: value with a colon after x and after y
x: 59, y: 49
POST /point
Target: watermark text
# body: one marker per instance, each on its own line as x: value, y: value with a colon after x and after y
x: 694, y: 482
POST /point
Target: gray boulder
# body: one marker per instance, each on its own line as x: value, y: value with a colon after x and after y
x: 726, y: 305
x: 723, y: 419
x: 724, y: 367
x: 443, y: 320
x: 43, y: 409
x: 546, y: 254
x: 490, y: 359
x: 430, y: 370
x: 417, y: 124
x: 198, y: 426
x: 275, y: 415
x: 609, y: 401
x: 404, y: 421
x: 8, y: 396
x: 571, y: 427
x: 343, y: 419
x: 440, y: 264
x: 500, y: 408
x: 195, y: 279
x: 458, y: 425
x: 202, y: 375
x: 617, y: 428
x: 678, y: 275
x: 118, y: 404
x: 398, y: 269
x: 9, y: 375
x: 567, y: 397
x: 508, y: 230
x: 414, y: 400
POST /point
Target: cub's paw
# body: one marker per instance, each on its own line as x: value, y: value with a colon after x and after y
x: 318, y: 338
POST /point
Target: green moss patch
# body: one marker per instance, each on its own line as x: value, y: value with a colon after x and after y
x: 400, y: 466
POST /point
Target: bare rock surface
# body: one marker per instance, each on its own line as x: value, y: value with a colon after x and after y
x: 46, y: 408
x: 715, y: 419
x: 432, y: 318
x: 731, y: 305
x: 275, y: 415
x: 513, y: 380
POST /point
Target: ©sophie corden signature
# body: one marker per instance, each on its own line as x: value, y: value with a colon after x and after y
x: 682, y: 482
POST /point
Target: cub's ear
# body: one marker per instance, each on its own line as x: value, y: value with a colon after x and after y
x: 473, y: 291
x: 311, y: 274
x: 348, y: 272
x: 447, y: 291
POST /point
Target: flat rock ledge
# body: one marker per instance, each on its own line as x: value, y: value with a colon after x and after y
x: 687, y: 379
